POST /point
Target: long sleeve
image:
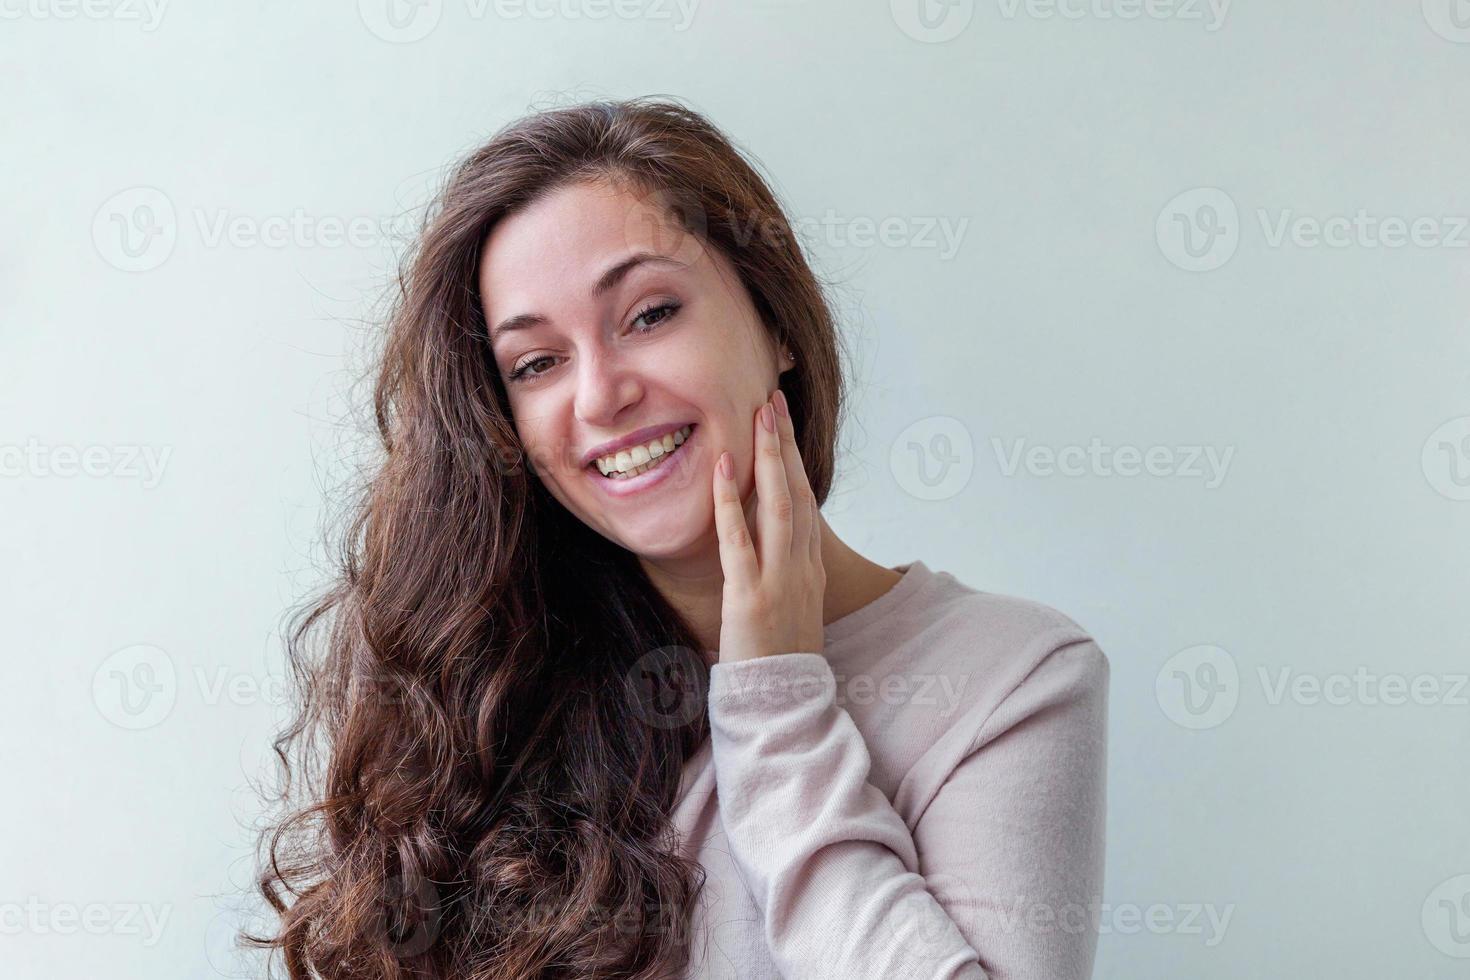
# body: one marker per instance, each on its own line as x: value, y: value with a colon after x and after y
x: 1000, y: 875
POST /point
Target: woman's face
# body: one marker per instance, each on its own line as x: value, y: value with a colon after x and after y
x: 666, y: 342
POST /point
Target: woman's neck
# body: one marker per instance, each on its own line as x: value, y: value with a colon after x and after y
x: 695, y: 587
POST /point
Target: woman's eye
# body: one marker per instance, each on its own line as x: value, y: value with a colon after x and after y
x: 659, y: 312
x: 525, y: 368
x: 667, y: 309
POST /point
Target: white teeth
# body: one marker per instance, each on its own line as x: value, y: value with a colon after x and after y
x: 631, y: 462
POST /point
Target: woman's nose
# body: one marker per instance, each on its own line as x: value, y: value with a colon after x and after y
x: 605, y: 386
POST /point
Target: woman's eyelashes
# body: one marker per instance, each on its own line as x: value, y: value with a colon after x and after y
x: 522, y: 373
x: 668, y: 309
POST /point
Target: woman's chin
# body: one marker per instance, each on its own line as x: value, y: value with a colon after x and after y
x: 663, y: 536
x: 662, y: 546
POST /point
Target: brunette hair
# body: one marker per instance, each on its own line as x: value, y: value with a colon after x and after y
x: 486, y: 747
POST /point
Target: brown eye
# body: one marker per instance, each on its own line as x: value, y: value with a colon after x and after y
x: 658, y: 312
x: 667, y: 309
x: 527, y: 365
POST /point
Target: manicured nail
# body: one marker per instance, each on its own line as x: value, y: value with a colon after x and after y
x: 780, y: 401
x: 727, y: 465
x: 768, y: 418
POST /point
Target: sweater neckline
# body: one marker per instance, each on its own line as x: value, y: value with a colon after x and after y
x: 915, y: 576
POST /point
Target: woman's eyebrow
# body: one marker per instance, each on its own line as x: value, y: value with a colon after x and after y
x: 605, y: 282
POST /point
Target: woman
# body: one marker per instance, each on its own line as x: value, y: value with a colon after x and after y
x: 580, y: 712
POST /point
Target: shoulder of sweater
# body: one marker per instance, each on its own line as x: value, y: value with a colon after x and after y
x: 990, y: 657
x: 960, y: 628
x: 989, y: 662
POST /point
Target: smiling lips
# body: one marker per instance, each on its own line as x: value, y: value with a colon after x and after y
x: 622, y: 474
x: 630, y: 462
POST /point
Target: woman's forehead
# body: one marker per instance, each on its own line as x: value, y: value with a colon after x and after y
x: 564, y: 243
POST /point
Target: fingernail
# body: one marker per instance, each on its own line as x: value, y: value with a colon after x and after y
x: 780, y: 401
x: 768, y: 418
x: 727, y: 465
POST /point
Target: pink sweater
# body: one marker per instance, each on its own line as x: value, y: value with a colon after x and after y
x: 923, y: 799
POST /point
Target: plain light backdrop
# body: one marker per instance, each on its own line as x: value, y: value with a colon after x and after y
x: 1158, y: 314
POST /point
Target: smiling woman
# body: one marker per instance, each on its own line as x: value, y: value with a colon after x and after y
x: 576, y: 715
x: 664, y: 339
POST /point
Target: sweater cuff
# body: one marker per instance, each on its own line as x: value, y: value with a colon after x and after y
x: 779, y: 684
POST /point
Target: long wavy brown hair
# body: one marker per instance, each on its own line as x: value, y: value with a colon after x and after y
x: 488, y: 747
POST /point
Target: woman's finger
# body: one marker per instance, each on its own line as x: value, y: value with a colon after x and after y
x: 775, y: 509
x: 814, y: 539
x: 797, y: 483
x: 737, y: 553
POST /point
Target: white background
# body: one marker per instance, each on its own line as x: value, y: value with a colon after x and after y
x: 1070, y: 147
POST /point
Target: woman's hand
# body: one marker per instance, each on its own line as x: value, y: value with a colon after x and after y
x: 773, y: 585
